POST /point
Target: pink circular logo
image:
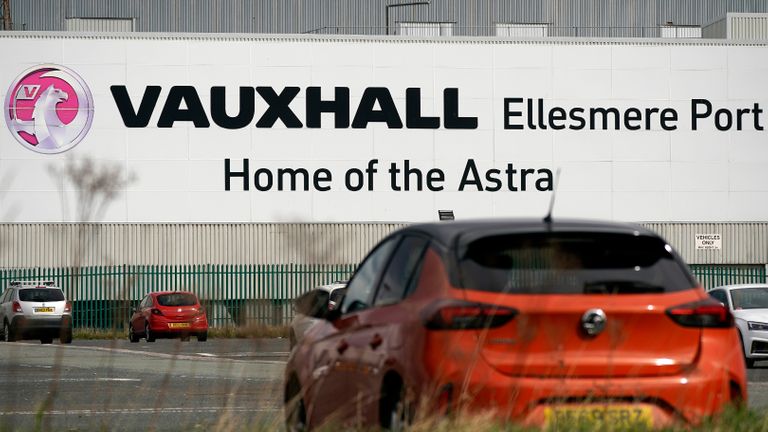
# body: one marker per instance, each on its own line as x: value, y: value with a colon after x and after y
x: 49, y: 109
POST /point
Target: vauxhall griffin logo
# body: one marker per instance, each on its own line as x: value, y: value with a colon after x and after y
x: 593, y: 322
x: 49, y: 109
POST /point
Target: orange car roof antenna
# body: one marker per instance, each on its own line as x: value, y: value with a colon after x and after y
x: 548, y: 217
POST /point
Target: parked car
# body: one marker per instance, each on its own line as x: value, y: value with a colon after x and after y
x: 306, y: 307
x: 546, y: 322
x: 35, y: 310
x: 749, y: 305
x: 167, y: 315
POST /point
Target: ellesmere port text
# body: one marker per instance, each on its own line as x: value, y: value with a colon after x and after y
x: 401, y: 177
x: 520, y: 113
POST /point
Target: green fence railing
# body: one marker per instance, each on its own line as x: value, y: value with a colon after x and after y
x: 711, y: 276
x: 104, y: 296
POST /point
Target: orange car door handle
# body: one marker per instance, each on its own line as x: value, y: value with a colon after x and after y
x: 342, y: 346
x: 376, y: 341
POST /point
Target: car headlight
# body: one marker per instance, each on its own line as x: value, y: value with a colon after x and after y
x: 757, y: 325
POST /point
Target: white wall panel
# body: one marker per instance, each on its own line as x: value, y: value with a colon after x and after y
x: 522, y: 145
x: 393, y: 56
x: 746, y: 83
x: 530, y: 56
x: 592, y: 84
x: 463, y: 56
x: 640, y: 205
x: 581, y: 56
x: 179, y: 171
x: 688, y: 84
x: 392, y: 145
x: 582, y: 146
x: 688, y: 147
x: 754, y: 205
x: 749, y: 177
x: 699, y: 176
x: 585, y: 176
x: 639, y: 58
x: 641, y: 176
x: 168, y: 144
x: 702, y: 57
x: 519, y: 82
x: 655, y: 86
x: 747, y: 147
x: 590, y: 204
x: 651, y: 146
x: 696, y: 205
x: 464, y: 144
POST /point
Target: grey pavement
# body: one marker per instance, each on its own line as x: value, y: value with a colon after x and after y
x: 167, y: 385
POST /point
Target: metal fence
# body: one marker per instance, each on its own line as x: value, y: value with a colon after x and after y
x: 260, y: 294
x: 103, y: 297
x: 711, y: 276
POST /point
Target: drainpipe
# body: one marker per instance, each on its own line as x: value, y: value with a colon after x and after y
x: 386, y: 9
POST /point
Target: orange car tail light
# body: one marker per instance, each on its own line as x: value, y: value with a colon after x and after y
x: 17, y: 307
x: 704, y: 313
x: 156, y: 311
x: 466, y: 316
x: 68, y: 307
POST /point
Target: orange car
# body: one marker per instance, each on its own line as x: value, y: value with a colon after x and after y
x: 543, y: 323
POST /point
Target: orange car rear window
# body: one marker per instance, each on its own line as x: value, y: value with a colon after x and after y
x: 572, y: 263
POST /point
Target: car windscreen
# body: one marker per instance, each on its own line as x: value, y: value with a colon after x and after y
x: 750, y: 298
x: 572, y: 263
x: 176, y: 300
x: 40, y: 295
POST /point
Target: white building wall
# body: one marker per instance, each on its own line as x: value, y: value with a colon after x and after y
x: 651, y: 174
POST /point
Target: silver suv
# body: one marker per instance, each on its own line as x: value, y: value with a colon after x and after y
x: 35, y: 310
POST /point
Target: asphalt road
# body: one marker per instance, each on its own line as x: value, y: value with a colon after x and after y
x: 167, y: 385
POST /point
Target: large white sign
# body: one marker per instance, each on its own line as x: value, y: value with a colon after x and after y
x: 322, y: 129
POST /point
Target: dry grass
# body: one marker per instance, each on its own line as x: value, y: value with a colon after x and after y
x: 741, y: 421
x: 732, y: 420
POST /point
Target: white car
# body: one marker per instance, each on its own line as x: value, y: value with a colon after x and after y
x: 35, y: 310
x: 304, y: 318
x: 749, y: 306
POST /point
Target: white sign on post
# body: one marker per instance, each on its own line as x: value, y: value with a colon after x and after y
x: 709, y: 242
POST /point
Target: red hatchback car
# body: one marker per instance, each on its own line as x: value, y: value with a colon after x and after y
x: 544, y: 323
x: 167, y: 315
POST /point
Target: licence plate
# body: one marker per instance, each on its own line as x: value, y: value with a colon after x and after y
x: 178, y: 325
x: 43, y: 309
x: 600, y: 416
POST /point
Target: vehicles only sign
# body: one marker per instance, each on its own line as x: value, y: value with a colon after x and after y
x: 709, y: 242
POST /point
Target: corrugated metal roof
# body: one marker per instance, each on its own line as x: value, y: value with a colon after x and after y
x: 588, y: 18
x: 742, y: 243
x: 61, y: 245
x: 383, y: 39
